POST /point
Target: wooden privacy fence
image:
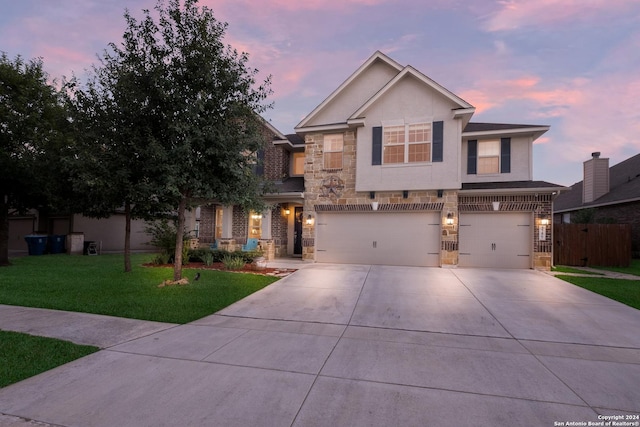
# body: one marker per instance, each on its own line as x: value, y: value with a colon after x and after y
x: 606, y: 245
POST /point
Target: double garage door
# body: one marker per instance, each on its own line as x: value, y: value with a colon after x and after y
x: 495, y: 240
x: 392, y: 238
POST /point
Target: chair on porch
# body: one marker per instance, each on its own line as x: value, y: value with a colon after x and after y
x: 252, y: 245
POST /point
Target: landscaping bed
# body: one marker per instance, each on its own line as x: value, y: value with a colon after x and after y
x: 219, y: 266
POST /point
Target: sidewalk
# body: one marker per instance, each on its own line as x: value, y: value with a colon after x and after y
x: 80, y: 328
x: 595, y: 272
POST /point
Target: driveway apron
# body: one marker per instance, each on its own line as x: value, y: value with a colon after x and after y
x: 355, y: 345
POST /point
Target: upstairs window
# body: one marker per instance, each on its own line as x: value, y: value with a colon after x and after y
x: 488, y: 157
x: 407, y: 143
x: 333, y: 147
x: 297, y: 164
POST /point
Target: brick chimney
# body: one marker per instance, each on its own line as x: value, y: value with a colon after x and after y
x: 596, y: 178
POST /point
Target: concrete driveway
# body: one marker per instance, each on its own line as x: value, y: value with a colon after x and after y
x: 345, y: 345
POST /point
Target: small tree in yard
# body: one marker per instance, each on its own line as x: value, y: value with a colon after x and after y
x: 188, y: 107
x: 33, y: 132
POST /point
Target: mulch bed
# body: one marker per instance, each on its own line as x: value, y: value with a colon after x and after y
x: 248, y: 268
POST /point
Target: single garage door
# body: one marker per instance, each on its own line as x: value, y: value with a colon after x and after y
x: 391, y: 238
x: 495, y: 239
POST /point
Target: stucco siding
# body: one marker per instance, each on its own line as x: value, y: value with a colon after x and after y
x: 355, y: 94
x: 411, y: 101
x: 521, y: 169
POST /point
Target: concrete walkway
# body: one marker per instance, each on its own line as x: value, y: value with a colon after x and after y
x: 344, y: 345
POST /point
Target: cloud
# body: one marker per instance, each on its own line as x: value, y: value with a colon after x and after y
x: 515, y: 14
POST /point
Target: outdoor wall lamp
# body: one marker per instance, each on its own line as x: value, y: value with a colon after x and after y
x: 449, y: 218
x: 544, y: 220
x: 287, y: 211
x: 309, y: 220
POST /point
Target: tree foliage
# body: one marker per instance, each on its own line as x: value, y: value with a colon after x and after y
x: 34, y: 131
x: 179, y: 111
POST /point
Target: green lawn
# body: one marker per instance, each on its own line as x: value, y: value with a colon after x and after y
x: 97, y: 284
x: 634, y: 268
x: 624, y: 291
x: 565, y: 269
x: 23, y: 356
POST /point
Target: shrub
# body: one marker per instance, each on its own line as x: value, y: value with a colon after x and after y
x: 207, y: 258
x: 232, y: 262
x: 163, y: 236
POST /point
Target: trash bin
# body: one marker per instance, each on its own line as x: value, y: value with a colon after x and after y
x: 57, y: 243
x: 36, y: 243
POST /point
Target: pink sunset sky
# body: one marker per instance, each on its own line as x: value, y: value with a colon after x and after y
x: 570, y: 64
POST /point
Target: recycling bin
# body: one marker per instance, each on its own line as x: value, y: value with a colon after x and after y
x: 57, y: 243
x: 36, y: 243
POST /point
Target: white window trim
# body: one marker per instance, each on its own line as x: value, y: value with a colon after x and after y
x: 479, y: 156
x: 406, y: 143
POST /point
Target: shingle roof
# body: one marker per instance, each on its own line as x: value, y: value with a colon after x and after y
x: 290, y: 185
x: 624, y: 185
x: 483, y: 127
x: 295, y: 139
x: 524, y: 185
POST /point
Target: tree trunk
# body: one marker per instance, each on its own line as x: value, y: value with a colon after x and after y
x: 127, y: 237
x: 177, y: 264
x: 4, y: 232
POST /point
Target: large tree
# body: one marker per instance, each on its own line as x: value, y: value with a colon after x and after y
x: 33, y: 130
x: 188, y: 105
x: 117, y: 163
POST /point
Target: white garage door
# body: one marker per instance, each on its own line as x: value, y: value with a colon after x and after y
x: 497, y: 240
x: 379, y: 238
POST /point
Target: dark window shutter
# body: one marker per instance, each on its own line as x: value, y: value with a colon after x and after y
x: 505, y: 155
x: 376, y: 155
x: 472, y: 156
x: 438, y: 141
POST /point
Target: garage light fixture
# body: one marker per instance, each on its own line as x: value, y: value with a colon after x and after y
x: 544, y: 220
x: 309, y: 220
x: 449, y: 218
x: 287, y: 211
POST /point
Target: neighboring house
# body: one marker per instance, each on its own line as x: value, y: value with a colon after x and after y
x: 395, y: 173
x: 277, y: 230
x: 611, y: 194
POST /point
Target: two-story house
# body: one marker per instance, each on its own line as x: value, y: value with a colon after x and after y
x: 396, y: 173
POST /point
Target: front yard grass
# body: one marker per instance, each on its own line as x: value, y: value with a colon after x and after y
x: 624, y: 291
x: 565, y: 269
x: 97, y: 284
x: 23, y: 356
x: 634, y: 268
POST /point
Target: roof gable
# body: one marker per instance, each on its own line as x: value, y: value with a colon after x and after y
x: 406, y: 72
x: 370, y: 77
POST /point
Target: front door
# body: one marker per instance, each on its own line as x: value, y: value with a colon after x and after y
x: 297, y: 230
